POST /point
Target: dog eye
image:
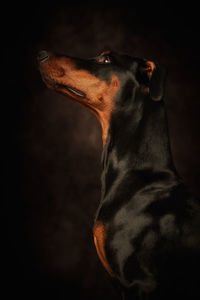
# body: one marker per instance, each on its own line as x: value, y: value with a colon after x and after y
x: 104, y: 59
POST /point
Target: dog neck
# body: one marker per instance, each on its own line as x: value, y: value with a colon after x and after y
x: 137, y: 153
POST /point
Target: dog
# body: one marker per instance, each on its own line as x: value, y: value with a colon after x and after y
x: 147, y: 226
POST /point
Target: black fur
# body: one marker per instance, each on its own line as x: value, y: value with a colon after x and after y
x: 152, y: 220
x: 153, y: 238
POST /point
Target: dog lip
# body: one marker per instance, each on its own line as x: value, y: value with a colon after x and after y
x: 73, y: 90
x: 67, y: 87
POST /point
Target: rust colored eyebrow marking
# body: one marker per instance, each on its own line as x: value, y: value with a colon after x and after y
x: 99, y: 233
x: 106, y: 52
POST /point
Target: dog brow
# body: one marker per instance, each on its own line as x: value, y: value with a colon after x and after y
x: 106, y: 52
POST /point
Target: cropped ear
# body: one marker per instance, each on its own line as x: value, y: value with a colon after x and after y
x: 157, y: 76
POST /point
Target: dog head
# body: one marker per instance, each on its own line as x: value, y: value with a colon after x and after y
x: 103, y: 83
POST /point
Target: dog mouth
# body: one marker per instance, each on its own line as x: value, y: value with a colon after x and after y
x: 69, y: 88
x: 72, y: 90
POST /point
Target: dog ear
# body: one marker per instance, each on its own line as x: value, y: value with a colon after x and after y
x: 157, y: 76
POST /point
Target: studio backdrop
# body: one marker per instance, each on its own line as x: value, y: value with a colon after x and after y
x: 53, y: 146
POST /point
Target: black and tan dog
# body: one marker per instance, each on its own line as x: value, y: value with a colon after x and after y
x: 147, y: 227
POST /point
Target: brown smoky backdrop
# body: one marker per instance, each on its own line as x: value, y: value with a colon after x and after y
x: 52, y: 146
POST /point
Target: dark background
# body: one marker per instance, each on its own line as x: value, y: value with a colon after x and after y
x: 52, y: 146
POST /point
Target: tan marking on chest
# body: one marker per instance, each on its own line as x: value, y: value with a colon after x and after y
x: 99, y: 233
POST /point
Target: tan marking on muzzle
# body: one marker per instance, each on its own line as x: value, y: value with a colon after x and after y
x: 99, y: 95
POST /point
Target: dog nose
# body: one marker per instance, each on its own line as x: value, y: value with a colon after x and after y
x: 42, y: 55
